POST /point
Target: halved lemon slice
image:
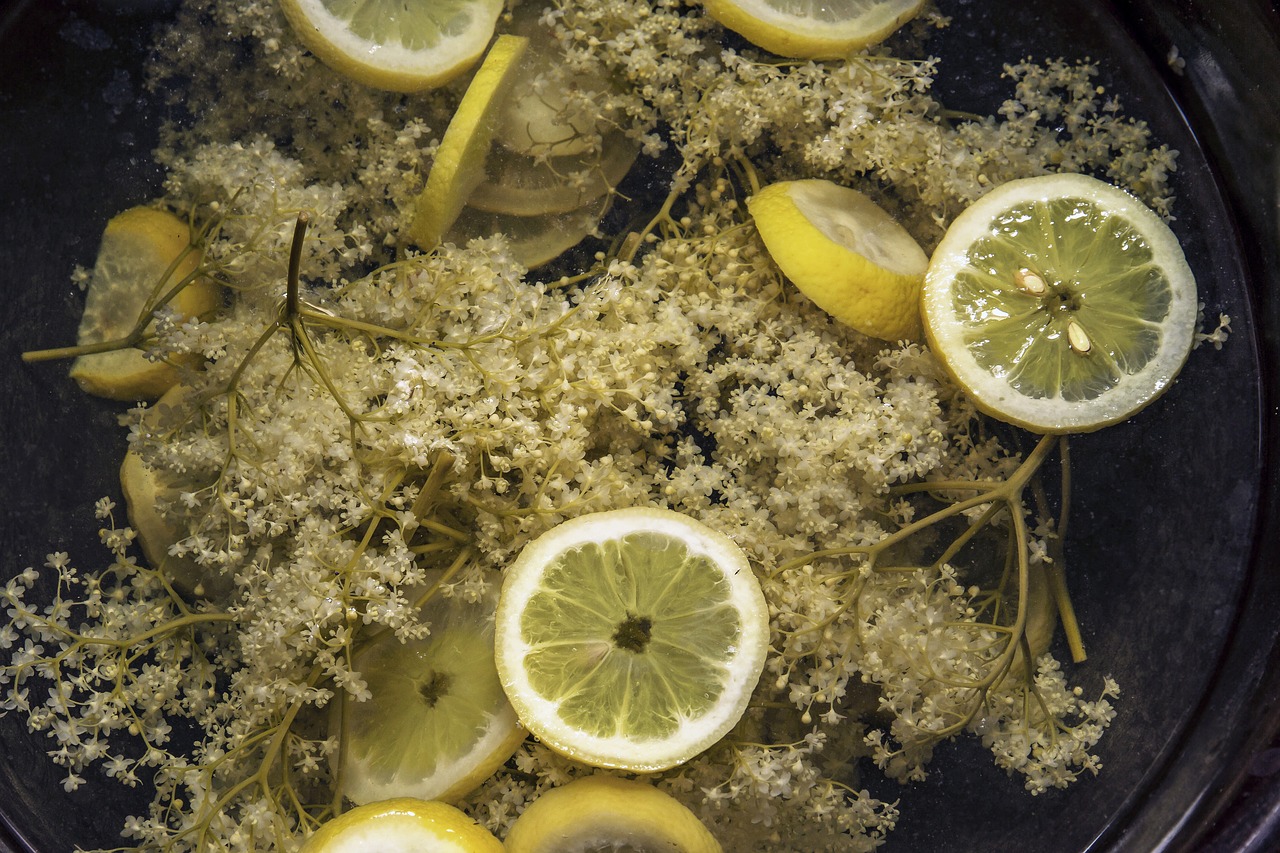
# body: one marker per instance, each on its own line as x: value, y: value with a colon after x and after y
x: 459, y: 165
x: 632, y: 638
x: 399, y: 45
x: 845, y: 253
x: 813, y: 29
x: 438, y: 723
x: 402, y: 825
x: 144, y: 253
x: 1060, y: 303
x: 608, y: 813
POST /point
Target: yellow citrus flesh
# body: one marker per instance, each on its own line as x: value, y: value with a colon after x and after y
x: 631, y: 639
x: 438, y: 723
x: 403, y: 825
x: 399, y: 45
x: 607, y: 813
x: 144, y: 253
x: 845, y: 253
x: 813, y: 29
x: 459, y: 164
x: 1060, y: 303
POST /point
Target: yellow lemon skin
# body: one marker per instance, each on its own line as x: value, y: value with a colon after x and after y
x: 608, y: 813
x: 459, y: 165
x: 138, y: 246
x: 390, y: 66
x: 762, y: 24
x: 403, y: 825
x: 845, y: 253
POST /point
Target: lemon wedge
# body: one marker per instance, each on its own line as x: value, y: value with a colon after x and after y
x: 813, y: 29
x: 438, y: 723
x: 631, y: 638
x: 845, y: 253
x: 402, y: 825
x: 399, y: 45
x: 144, y: 253
x: 459, y: 165
x: 607, y: 813
x: 1060, y: 303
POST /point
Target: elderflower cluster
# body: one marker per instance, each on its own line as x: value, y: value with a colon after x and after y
x: 392, y: 415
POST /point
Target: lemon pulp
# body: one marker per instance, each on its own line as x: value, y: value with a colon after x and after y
x: 845, y: 253
x: 438, y: 722
x: 399, y: 45
x: 632, y: 638
x: 145, y: 253
x: 1060, y: 303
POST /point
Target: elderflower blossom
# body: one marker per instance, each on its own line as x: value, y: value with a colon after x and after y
x: 431, y: 413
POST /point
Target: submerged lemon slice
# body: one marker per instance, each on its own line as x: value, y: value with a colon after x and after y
x: 631, y: 639
x: 400, y: 45
x: 523, y: 186
x: 403, y: 825
x: 438, y: 723
x: 144, y: 253
x: 531, y: 240
x: 845, y: 253
x: 1060, y: 303
x: 459, y: 165
x: 607, y: 813
x: 813, y: 29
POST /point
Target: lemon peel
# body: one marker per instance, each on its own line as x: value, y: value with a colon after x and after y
x: 607, y: 813
x: 459, y: 164
x: 402, y: 825
x: 630, y: 638
x: 397, y: 45
x: 810, y: 29
x: 1060, y: 304
x: 437, y: 723
x: 845, y: 253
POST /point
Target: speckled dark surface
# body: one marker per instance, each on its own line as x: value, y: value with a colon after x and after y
x: 1174, y: 514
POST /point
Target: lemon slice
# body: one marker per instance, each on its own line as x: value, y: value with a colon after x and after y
x: 459, y: 165
x: 438, y: 723
x: 144, y: 253
x: 402, y: 825
x: 607, y: 813
x: 813, y: 29
x: 146, y: 489
x: 845, y: 253
x: 1060, y: 303
x: 554, y: 110
x: 631, y: 638
x: 523, y: 186
x: 400, y: 45
x: 531, y: 240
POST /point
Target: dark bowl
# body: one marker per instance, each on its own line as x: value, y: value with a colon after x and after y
x: 1173, y: 550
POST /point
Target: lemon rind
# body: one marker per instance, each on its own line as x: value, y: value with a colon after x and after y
x: 1051, y: 415
x: 539, y: 714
